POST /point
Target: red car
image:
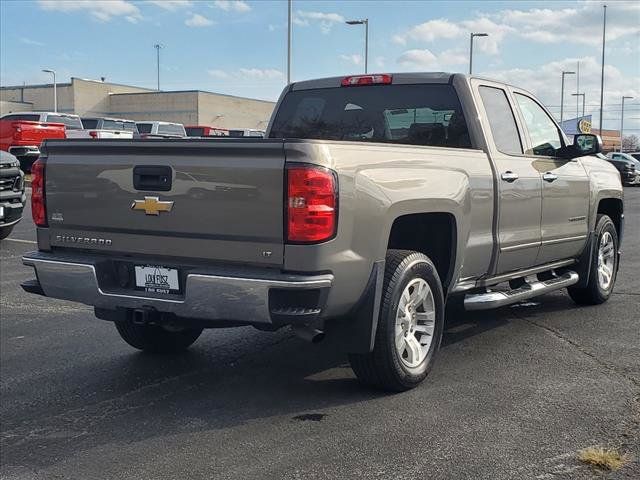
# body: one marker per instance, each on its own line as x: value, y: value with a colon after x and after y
x: 205, y: 131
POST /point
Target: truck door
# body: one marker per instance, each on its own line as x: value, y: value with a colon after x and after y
x: 519, y: 182
x: 565, y: 184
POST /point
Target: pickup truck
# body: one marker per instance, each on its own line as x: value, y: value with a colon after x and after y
x: 22, y: 134
x: 98, y: 127
x: 372, y: 201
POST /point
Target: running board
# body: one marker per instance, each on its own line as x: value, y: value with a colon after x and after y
x: 489, y: 300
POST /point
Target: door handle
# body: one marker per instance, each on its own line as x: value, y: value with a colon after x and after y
x: 509, y: 176
x: 549, y: 177
x: 152, y: 178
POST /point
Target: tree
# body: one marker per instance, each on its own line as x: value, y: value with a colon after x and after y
x: 630, y: 143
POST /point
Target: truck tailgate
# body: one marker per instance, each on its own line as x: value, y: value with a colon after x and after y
x: 227, y: 197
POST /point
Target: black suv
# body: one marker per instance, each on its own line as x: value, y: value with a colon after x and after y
x: 12, y: 196
x: 628, y: 167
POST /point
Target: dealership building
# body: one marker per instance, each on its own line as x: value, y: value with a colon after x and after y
x: 91, y: 98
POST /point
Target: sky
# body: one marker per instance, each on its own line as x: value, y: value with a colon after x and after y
x: 240, y: 47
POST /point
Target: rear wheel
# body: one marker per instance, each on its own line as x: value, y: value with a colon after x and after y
x: 410, y: 324
x: 604, y: 266
x: 157, y: 339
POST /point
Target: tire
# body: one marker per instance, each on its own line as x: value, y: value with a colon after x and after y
x: 156, y: 339
x: 387, y: 367
x: 5, y: 232
x: 596, y: 292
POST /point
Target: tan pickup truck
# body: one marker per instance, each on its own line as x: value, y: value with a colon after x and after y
x: 372, y: 201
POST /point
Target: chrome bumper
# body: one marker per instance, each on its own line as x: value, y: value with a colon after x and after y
x: 207, y: 296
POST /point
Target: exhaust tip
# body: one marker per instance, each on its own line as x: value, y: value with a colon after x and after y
x: 309, y: 334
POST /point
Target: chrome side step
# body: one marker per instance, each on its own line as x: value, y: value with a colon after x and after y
x: 489, y: 300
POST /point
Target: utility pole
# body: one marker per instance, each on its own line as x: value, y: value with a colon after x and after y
x: 562, y: 96
x: 471, y: 37
x: 289, y: 35
x: 604, y: 30
x: 158, y: 46
x: 622, y: 121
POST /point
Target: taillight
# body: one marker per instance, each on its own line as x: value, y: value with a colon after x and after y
x: 359, y: 80
x: 38, y: 205
x: 312, y: 204
x: 93, y: 134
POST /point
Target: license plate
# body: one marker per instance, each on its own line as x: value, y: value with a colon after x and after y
x: 155, y: 279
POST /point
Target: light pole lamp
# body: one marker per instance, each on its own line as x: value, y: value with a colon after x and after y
x: 622, y: 119
x: 562, y: 96
x: 365, y: 22
x: 55, y: 89
x: 579, y: 95
x: 471, y: 37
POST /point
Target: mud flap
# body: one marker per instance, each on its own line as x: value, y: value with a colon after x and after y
x: 356, y: 331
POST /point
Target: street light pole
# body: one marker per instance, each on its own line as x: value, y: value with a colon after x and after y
x: 365, y: 22
x: 562, y: 96
x: 55, y: 89
x: 471, y: 37
x: 158, y: 46
x: 604, y: 30
x: 577, y: 100
x: 289, y: 35
x: 622, y: 120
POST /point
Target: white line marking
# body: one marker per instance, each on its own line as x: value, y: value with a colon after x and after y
x: 19, y: 240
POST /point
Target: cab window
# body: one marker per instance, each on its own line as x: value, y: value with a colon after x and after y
x: 543, y: 132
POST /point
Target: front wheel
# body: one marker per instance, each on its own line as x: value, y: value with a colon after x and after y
x: 410, y: 324
x: 157, y: 339
x: 604, y: 266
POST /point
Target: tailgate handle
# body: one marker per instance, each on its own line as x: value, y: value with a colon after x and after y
x: 152, y: 178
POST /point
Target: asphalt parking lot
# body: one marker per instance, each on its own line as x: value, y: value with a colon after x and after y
x: 516, y: 393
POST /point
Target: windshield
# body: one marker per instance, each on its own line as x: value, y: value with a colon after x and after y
x: 424, y: 114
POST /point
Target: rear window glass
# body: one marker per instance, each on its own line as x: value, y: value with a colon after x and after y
x: 501, y: 120
x: 24, y: 118
x: 88, y: 123
x: 72, y: 123
x: 112, y: 125
x: 171, y: 129
x: 131, y: 127
x: 424, y: 114
x: 194, y: 131
x: 144, y: 127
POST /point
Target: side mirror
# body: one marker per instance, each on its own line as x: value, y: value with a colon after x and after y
x: 586, y: 144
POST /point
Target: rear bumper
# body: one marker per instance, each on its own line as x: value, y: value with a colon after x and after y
x: 267, y: 298
x: 25, y: 151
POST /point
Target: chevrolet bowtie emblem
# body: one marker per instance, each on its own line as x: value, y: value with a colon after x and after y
x: 152, y: 205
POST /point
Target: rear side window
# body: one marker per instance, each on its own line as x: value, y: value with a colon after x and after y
x: 88, y: 123
x: 422, y: 114
x: 501, y: 120
x: 144, y: 127
x: 24, y: 118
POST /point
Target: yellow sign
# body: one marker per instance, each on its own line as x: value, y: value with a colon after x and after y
x: 152, y: 205
x: 584, y: 126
